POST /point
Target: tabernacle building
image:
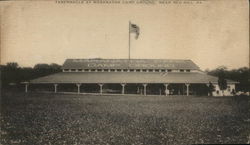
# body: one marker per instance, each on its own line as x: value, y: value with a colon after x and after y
x: 130, y: 76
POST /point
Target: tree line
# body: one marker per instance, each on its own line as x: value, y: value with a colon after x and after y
x: 241, y: 75
x: 13, y: 74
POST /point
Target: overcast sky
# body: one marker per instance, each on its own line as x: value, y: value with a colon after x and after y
x: 211, y: 34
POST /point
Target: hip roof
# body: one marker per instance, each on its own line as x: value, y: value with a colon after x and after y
x: 127, y: 77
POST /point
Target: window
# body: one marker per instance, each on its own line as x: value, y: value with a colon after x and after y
x: 125, y: 70
x: 119, y: 70
x: 138, y: 70
x: 79, y: 69
x: 106, y: 70
x: 157, y: 70
x: 99, y: 70
x: 169, y: 70
x: 181, y: 70
x: 73, y: 69
x: 112, y: 70
x: 150, y: 70
x: 131, y: 70
x: 144, y: 70
x: 66, y: 69
x: 92, y: 70
x: 86, y: 70
x: 163, y: 70
x: 188, y: 70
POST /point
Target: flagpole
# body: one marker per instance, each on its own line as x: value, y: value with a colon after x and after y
x: 129, y: 40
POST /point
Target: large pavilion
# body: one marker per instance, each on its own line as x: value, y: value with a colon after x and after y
x: 130, y: 76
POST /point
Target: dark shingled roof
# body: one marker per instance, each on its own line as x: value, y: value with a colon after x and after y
x: 127, y: 77
x: 129, y: 64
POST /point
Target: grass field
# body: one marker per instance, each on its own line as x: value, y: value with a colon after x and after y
x: 87, y: 119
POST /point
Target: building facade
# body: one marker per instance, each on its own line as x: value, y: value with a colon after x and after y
x: 131, y: 76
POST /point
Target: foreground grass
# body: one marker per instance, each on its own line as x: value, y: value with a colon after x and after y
x: 85, y: 119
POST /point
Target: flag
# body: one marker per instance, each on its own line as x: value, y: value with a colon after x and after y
x: 133, y: 28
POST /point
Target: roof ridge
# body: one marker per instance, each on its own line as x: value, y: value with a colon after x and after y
x: 126, y: 59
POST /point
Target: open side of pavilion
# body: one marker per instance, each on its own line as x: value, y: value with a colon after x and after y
x: 161, y: 83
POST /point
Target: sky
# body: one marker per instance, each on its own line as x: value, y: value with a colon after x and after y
x: 212, y: 33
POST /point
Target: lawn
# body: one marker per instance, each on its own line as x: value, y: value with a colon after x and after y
x: 39, y: 118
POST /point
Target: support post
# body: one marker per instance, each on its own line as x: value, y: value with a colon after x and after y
x: 100, y: 88
x: 187, y: 89
x: 26, y: 87
x: 145, y: 89
x: 123, y: 88
x: 78, y: 88
x: 166, y: 89
x: 208, y: 94
x: 55, y: 86
x: 129, y: 40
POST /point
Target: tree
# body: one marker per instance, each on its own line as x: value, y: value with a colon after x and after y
x: 10, y: 73
x: 222, y: 82
x: 12, y: 66
x: 55, y: 67
x: 46, y: 69
x: 41, y: 66
x: 211, y: 88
